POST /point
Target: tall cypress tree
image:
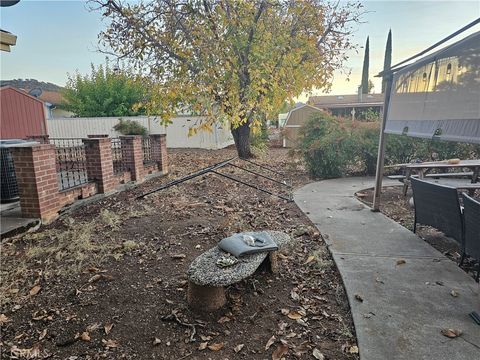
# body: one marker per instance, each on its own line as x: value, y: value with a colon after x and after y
x: 387, y: 62
x: 366, y: 60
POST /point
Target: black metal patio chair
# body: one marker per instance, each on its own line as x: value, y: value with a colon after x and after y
x: 438, y: 206
x: 471, y: 215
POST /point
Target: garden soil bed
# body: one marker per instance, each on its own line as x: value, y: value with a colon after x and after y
x: 108, y: 280
x: 396, y: 206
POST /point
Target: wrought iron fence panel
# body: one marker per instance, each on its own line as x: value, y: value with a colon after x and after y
x: 148, y: 157
x: 118, y: 157
x: 71, y: 162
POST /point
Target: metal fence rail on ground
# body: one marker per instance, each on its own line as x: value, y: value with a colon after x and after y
x: 119, y: 165
x: 147, y: 151
x: 71, y: 162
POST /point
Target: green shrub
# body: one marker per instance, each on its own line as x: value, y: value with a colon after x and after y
x: 327, y: 146
x: 130, y: 127
x: 334, y: 147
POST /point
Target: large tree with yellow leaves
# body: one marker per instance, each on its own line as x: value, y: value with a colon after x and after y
x: 233, y: 61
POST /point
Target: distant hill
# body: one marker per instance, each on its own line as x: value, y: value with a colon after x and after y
x: 31, y: 84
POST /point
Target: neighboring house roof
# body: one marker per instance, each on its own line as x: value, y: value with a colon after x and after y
x: 3, y: 88
x: 339, y: 101
x: 299, y: 108
x: 52, y: 97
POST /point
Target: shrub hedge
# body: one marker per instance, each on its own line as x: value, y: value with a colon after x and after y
x: 130, y: 127
x: 334, y: 147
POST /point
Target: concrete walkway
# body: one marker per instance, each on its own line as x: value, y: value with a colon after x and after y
x: 11, y: 220
x: 405, y: 306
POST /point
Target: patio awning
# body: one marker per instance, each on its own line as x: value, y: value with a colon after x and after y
x: 439, y: 94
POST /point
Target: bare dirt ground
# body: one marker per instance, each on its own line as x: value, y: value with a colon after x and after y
x: 104, y: 281
x: 396, y: 206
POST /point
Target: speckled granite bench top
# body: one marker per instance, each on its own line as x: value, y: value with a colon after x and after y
x: 205, y: 272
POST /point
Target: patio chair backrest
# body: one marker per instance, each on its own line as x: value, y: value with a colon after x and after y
x: 438, y: 206
x: 471, y: 213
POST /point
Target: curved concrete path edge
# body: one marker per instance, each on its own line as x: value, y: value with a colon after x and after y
x: 405, y: 305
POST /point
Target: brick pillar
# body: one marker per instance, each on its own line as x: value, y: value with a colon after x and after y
x: 42, y: 139
x: 159, y: 149
x: 98, y: 153
x: 37, y: 180
x: 133, y: 155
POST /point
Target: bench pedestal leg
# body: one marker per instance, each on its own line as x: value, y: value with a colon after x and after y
x: 205, y: 298
x: 273, y: 259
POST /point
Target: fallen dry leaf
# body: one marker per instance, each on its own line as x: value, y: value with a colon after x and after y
x: 202, y: 346
x: 216, y: 346
x: 281, y: 350
x: 401, y: 262
x: 93, y: 327
x: 238, y: 348
x: 98, y: 277
x: 451, y: 333
x: 108, y: 328
x: 156, y: 341
x: 353, y: 349
x: 4, y: 319
x: 95, y: 278
x: 310, y: 259
x: 35, y: 290
x: 270, y: 342
x: 41, y: 315
x: 358, y: 298
x: 85, y: 336
x: 294, y: 315
x: 224, y: 319
x: 42, y: 334
x: 317, y: 354
x: 110, y: 343
x: 285, y: 311
x: 205, y: 338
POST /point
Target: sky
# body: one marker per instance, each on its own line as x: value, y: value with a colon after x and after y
x: 60, y: 37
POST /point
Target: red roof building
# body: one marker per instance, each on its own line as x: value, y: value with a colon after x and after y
x: 21, y: 115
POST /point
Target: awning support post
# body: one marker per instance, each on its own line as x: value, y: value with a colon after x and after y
x: 381, y: 144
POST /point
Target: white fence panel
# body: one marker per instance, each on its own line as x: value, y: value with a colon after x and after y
x: 177, y: 132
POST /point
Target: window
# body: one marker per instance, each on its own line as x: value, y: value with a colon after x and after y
x: 449, y: 68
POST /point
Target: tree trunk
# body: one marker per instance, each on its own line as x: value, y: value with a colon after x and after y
x: 241, y: 136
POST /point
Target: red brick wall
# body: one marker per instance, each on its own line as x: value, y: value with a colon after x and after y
x: 37, y: 177
x: 37, y: 180
x: 98, y: 152
x: 159, y: 149
x: 133, y: 156
x: 83, y: 191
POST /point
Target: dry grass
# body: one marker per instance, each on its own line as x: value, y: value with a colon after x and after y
x: 110, y: 218
x: 31, y: 258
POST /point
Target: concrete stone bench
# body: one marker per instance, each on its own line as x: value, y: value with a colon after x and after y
x: 206, y: 280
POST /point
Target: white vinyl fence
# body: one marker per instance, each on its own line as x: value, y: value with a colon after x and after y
x: 177, y: 132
